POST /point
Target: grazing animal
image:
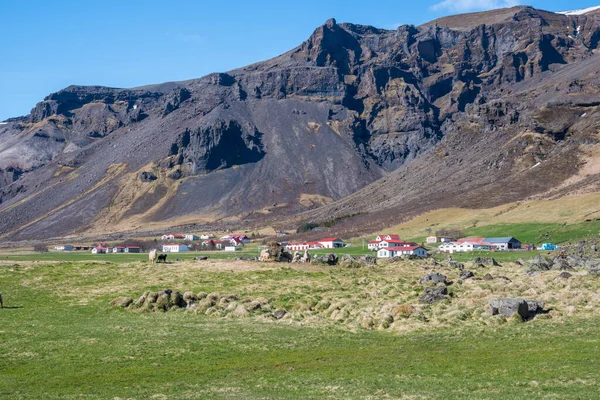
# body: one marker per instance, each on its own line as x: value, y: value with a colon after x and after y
x: 162, y: 257
x: 152, y: 255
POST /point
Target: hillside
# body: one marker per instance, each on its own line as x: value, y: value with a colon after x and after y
x: 473, y: 111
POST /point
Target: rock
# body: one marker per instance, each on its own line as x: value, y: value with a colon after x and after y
x: 189, y: 298
x: 508, y: 307
x: 162, y: 302
x: 202, y: 258
x: 246, y: 259
x: 329, y: 259
x: 121, y: 302
x: 275, y: 253
x: 306, y: 257
x: 348, y: 261
x: 279, y: 314
x: 487, y: 261
x: 561, y: 264
x: 175, y: 175
x: 241, y: 311
x: 368, y: 259
x: 488, y: 277
x: 176, y: 300
x: 534, y: 306
x: 466, y: 275
x: 147, y: 176
x: 297, y: 257
x: 434, y: 294
x: 538, y: 264
x: 455, y: 264
x: 434, y: 277
x: 564, y: 275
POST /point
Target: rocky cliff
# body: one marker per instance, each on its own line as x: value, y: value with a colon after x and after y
x: 469, y: 110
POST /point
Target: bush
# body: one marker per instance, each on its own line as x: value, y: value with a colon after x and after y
x: 40, y: 248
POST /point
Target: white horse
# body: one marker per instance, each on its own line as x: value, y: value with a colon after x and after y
x: 152, y: 255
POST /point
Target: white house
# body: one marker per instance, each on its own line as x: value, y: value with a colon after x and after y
x: 191, y: 236
x: 63, y: 247
x: 99, y: 250
x: 331, y: 243
x: 174, y: 248
x: 229, y: 248
x: 463, y: 247
x: 376, y: 243
x: 239, y: 236
x: 132, y: 249
x: 207, y: 236
x: 439, y: 239
x: 118, y: 249
x: 296, y: 246
x: 388, y: 252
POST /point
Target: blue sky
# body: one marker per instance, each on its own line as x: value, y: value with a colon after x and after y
x: 48, y: 45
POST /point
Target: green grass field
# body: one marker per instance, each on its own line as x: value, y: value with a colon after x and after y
x: 59, y: 338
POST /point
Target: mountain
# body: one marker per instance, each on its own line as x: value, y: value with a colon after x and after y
x: 470, y: 110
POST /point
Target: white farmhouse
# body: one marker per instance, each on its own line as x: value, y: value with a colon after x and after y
x: 388, y: 252
x: 174, y: 248
x: 63, y: 247
x: 331, y: 243
x: 191, y: 236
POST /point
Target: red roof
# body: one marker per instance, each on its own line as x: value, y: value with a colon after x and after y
x: 374, y: 241
x: 471, y: 239
x: 394, y: 237
x: 397, y: 242
x: 329, y: 240
x: 133, y: 247
x: 313, y: 243
x: 119, y: 247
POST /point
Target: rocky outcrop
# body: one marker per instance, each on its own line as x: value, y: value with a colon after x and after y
x: 400, y: 107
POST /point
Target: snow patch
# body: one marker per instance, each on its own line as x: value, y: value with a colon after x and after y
x: 3, y: 123
x: 580, y: 12
x: 583, y: 115
x: 535, y: 165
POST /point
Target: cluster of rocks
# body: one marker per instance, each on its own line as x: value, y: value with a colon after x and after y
x: 509, y: 307
x: 435, y: 293
x: 346, y: 260
x: 204, y: 303
x: 275, y: 252
x: 560, y: 263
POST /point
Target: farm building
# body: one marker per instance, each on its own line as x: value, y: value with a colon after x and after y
x: 118, y: 249
x: 331, y: 243
x: 239, y: 236
x: 388, y: 252
x: 301, y: 246
x: 439, y: 239
x: 504, y: 243
x: 191, y: 236
x: 463, y: 247
x: 172, y: 236
x: 63, y: 247
x: 207, y: 236
x: 174, y: 248
x: 132, y: 249
x: 99, y: 250
x: 379, y: 239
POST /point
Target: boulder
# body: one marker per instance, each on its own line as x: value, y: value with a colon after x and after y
x: 279, y: 314
x: 202, y: 258
x: 488, y: 277
x: 466, y: 275
x: 538, y: 264
x: 534, y: 306
x: 121, y: 302
x: 487, y: 261
x: 508, y: 307
x: 368, y: 259
x: 564, y: 275
x: 275, y: 253
x: 434, y: 277
x: 306, y: 257
x: 329, y: 259
x: 434, y: 294
x: 147, y: 176
x: 348, y: 261
x: 189, y: 298
x: 297, y: 257
x: 176, y: 300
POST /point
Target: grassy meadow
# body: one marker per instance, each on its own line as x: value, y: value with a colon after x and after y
x: 60, y: 338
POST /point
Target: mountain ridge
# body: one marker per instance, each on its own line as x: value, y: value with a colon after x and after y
x: 317, y: 133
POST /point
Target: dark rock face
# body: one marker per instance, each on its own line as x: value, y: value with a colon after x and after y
x: 434, y: 294
x: 147, y: 176
x: 359, y: 116
x: 508, y: 307
x: 434, y: 277
x: 466, y: 275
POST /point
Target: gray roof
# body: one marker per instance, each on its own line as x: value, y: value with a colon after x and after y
x: 500, y: 239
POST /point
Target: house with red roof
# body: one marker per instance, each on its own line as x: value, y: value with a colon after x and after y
x: 99, y: 250
x: 174, y: 248
x: 380, y: 239
x: 132, y: 249
x: 331, y: 243
x: 118, y: 249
